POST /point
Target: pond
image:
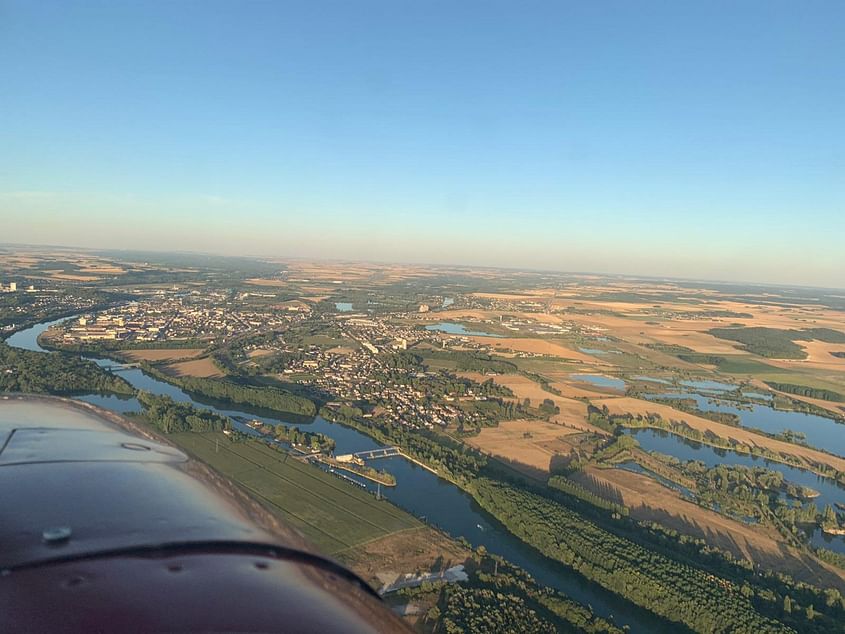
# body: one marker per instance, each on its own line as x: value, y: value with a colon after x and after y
x: 600, y: 380
x: 458, y: 329
x: 713, y: 386
x: 758, y: 395
x: 599, y: 353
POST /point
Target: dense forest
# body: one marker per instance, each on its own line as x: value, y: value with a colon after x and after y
x: 574, y: 489
x: 55, y: 373
x: 486, y: 611
x: 775, y: 343
x: 678, y: 592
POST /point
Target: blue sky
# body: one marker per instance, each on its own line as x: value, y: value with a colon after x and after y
x: 700, y: 139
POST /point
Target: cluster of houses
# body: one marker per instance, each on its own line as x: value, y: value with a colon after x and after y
x: 172, y: 317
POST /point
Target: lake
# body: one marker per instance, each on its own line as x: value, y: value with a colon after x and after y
x: 458, y: 329
x: 820, y: 432
x: 600, y: 380
x: 713, y: 386
x: 683, y: 449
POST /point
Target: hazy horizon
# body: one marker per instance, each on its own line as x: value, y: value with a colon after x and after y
x: 659, y: 140
x: 126, y: 253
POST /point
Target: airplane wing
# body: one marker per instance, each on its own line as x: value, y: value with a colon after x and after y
x: 103, y: 529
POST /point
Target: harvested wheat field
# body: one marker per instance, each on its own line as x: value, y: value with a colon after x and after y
x: 572, y: 414
x: 572, y: 388
x: 102, y: 270
x: 260, y: 281
x: 203, y: 368
x: 163, y: 354
x: 74, y: 278
x: 525, y: 443
x: 523, y: 387
x: 819, y: 357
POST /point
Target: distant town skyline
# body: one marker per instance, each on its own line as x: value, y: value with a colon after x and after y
x: 652, y: 139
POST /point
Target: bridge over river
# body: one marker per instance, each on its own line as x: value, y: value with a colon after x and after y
x: 372, y: 454
x: 121, y: 367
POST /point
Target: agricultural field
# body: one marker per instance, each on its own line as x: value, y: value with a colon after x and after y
x: 203, y: 368
x: 331, y: 513
x: 163, y: 354
x: 530, y: 446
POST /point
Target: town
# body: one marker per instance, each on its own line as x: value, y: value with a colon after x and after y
x: 341, y: 358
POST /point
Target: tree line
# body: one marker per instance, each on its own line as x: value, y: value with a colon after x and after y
x: 267, y: 397
x: 55, y: 373
x: 171, y: 417
x: 803, y: 390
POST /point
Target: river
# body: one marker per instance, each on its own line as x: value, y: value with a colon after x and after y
x: 417, y: 490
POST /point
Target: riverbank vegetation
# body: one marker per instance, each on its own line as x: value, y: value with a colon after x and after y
x: 306, y: 441
x: 562, y: 483
x: 690, y: 406
x: 270, y: 398
x: 171, y: 417
x: 500, y: 597
x: 674, y: 589
x: 55, y: 373
x: 453, y: 460
x: 667, y: 555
